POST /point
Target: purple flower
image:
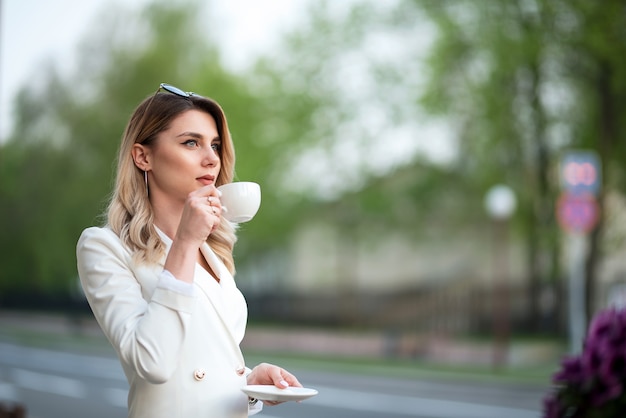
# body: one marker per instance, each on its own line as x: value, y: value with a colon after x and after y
x: 610, y: 377
x: 601, y: 324
x: 571, y: 371
x: 608, y: 327
x: 604, y: 391
x: 551, y: 407
x: 596, y: 379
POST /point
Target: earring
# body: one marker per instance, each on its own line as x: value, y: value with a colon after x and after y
x: 145, y: 176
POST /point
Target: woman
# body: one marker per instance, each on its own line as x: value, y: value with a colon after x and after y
x: 159, y: 275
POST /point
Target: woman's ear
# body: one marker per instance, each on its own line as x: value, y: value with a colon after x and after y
x: 141, y: 156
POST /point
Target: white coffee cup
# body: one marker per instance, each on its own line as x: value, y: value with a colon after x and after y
x: 242, y: 200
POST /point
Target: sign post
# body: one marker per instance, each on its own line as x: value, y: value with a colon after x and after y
x: 578, y: 213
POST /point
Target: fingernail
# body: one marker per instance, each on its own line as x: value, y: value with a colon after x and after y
x: 284, y: 383
x: 224, y: 209
x: 219, y: 192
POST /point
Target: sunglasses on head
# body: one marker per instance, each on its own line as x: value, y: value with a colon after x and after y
x: 174, y: 90
x: 169, y: 89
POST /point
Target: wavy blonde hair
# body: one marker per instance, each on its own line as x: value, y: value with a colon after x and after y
x: 130, y: 213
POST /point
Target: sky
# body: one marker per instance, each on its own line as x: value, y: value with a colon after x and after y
x: 33, y: 32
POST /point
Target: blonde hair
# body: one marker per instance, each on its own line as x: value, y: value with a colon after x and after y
x: 130, y: 213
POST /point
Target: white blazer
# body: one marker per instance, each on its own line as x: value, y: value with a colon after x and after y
x: 180, y: 352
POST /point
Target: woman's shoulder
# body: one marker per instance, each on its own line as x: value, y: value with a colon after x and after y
x: 98, y: 242
x: 98, y: 232
x: 102, y: 235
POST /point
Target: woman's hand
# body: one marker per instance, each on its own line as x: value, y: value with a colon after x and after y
x: 269, y: 374
x: 201, y: 215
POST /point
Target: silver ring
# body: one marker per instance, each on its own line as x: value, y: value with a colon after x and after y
x: 208, y: 199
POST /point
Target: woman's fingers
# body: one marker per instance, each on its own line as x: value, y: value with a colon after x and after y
x: 202, y: 213
x: 213, y: 200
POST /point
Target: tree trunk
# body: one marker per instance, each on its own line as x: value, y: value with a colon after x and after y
x: 606, y: 140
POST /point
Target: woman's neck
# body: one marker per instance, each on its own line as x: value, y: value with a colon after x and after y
x: 166, y: 215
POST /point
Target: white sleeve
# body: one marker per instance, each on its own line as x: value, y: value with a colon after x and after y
x: 167, y: 281
x: 257, y: 407
x: 132, y: 322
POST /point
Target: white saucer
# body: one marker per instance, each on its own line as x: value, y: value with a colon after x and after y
x: 272, y: 393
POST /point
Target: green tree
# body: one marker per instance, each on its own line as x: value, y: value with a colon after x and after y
x: 57, y: 164
x: 592, y: 61
x: 521, y: 81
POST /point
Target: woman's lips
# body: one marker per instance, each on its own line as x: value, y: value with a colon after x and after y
x: 206, y: 180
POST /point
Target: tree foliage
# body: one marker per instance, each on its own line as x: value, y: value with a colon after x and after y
x: 523, y: 81
x: 316, y: 120
x: 58, y: 163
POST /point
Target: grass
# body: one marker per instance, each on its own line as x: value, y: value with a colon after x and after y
x: 407, y: 369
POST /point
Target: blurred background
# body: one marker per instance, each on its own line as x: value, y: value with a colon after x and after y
x: 443, y: 187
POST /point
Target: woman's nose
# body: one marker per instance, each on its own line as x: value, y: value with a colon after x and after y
x: 211, y: 157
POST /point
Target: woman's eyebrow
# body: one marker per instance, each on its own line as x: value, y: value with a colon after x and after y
x: 197, y: 135
x: 191, y: 134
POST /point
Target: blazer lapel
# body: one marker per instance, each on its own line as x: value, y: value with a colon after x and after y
x: 222, y: 302
x: 216, y: 298
x: 216, y: 264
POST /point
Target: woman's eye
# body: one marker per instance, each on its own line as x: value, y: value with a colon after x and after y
x: 216, y: 147
x: 191, y: 143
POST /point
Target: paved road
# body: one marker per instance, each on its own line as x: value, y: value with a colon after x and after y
x: 62, y: 384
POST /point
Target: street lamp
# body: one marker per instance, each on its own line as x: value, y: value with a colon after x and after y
x: 500, y: 203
